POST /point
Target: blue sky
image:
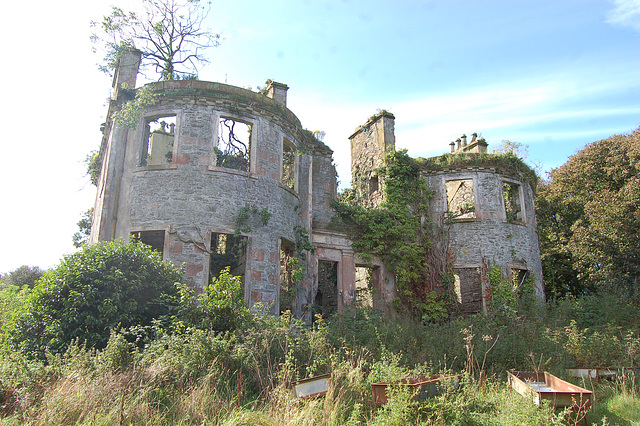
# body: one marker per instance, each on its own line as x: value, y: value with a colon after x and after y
x: 553, y: 75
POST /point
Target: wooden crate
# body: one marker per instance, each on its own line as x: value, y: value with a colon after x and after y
x: 544, y: 386
x: 311, y: 387
x: 593, y: 373
x: 424, y: 386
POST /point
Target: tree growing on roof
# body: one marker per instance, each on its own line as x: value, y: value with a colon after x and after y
x: 169, y: 34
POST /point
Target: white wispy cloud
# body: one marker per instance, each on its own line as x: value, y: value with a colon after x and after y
x: 527, y: 111
x: 625, y: 13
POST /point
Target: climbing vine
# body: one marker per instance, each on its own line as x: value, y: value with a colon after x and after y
x: 129, y: 115
x: 508, y: 295
x: 399, y: 231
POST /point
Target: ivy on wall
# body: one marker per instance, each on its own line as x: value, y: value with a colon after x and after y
x: 399, y: 231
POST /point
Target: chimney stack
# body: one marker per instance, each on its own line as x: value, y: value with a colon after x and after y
x: 277, y: 92
x: 126, y: 71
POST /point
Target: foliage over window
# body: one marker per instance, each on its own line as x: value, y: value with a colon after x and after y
x: 399, y: 232
x: 234, y: 144
x: 227, y: 251
x: 92, y: 291
x: 220, y: 307
x: 512, y: 203
x: 154, y: 239
x: 511, y: 295
x: 288, y: 164
x: 291, y: 273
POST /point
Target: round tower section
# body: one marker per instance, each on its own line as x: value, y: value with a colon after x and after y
x: 211, y: 175
x: 488, y: 215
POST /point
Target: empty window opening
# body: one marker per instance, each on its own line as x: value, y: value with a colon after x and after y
x: 460, y: 199
x: 159, y: 135
x: 155, y: 239
x: 364, y: 286
x: 227, y: 250
x: 512, y: 203
x: 518, y: 278
x: 288, y: 164
x: 290, y: 275
x: 373, y: 185
x: 234, y: 144
x: 326, y: 300
x: 468, y: 290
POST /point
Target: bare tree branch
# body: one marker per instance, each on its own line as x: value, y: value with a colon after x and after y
x: 167, y: 32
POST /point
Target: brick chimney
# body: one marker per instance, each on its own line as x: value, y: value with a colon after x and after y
x: 277, y: 92
x: 126, y: 71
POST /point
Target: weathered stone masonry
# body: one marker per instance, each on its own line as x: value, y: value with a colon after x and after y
x: 170, y: 182
x: 214, y: 175
x: 489, y: 215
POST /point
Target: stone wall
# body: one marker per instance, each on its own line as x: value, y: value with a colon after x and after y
x: 190, y: 197
x: 488, y: 237
x: 369, y: 145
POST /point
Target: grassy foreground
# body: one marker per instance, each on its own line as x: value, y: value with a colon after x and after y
x: 188, y: 376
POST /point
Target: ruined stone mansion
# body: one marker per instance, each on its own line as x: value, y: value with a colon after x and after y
x: 216, y: 176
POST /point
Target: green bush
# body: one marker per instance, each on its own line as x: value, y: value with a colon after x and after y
x: 220, y: 307
x: 103, y: 286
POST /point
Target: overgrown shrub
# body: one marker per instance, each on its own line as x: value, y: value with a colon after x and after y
x: 91, y: 292
x: 220, y: 307
x: 187, y: 375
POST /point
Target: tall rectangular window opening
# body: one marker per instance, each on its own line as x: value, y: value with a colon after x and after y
x: 460, y: 199
x: 154, y: 239
x: 468, y: 290
x: 288, y: 164
x: 326, y: 300
x: 157, y: 144
x: 290, y: 272
x: 512, y: 202
x: 234, y: 144
x: 518, y: 278
x: 228, y: 250
x: 364, y: 286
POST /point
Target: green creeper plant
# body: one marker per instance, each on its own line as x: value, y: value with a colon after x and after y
x: 398, y: 231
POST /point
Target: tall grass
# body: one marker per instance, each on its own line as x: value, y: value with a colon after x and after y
x: 190, y: 376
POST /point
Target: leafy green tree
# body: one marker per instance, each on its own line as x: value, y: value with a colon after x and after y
x: 606, y: 244
x: 168, y: 33
x: 588, y: 215
x: 81, y: 237
x: 23, y: 276
x: 103, y: 286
